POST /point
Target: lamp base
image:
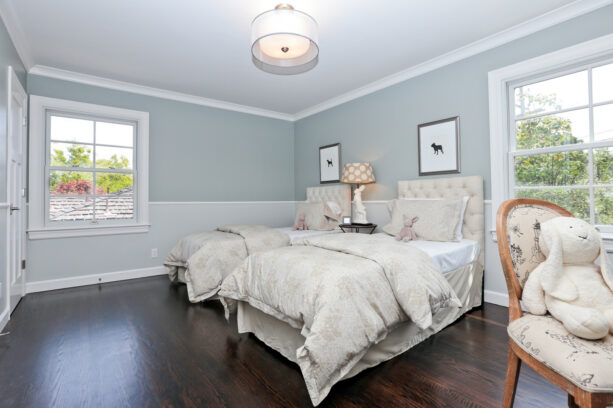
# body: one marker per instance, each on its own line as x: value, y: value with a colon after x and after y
x: 359, y: 214
x: 359, y: 211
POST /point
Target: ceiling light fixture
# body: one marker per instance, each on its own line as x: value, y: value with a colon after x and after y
x: 284, y: 41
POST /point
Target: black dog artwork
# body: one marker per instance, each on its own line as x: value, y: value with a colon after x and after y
x: 329, y: 162
x: 437, y: 148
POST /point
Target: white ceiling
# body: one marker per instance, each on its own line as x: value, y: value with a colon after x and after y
x: 201, y: 47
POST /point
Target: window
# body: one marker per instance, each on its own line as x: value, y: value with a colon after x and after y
x: 88, y: 169
x: 551, y: 134
x: 561, y: 141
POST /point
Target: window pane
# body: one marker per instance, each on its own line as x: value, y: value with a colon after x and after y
x: 115, y: 207
x: 577, y: 201
x: 71, y: 155
x: 603, y: 202
x: 603, y: 166
x: 70, y: 208
x: 552, y: 169
x: 553, y: 130
x: 603, y: 122
x: 602, y: 82
x: 114, y: 134
x: 114, y: 183
x: 70, y: 183
x: 113, y: 157
x: 117, y: 201
x: 71, y: 129
x: 564, y: 92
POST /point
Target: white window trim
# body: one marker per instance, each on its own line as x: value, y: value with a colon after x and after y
x: 499, y: 99
x: 37, y: 227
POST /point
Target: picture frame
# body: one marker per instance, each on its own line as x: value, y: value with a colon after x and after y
x: 346, y: 220
x: 330, y: 163
x: 438, y: 147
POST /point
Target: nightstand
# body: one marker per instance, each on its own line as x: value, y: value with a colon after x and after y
x: 357, y: 227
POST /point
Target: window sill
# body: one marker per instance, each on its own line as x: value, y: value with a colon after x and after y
x: 51, y: 233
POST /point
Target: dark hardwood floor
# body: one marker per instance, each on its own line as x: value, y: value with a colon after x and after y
x: 141, y: 344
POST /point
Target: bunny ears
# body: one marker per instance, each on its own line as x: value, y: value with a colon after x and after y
x: 407, y: 219
x: 559, y: 235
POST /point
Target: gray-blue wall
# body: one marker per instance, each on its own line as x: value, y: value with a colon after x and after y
x: 381, y: 128
x: 197, y: 153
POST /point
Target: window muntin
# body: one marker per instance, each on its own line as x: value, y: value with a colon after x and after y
x: 90, y: 170
x: 561, y: 141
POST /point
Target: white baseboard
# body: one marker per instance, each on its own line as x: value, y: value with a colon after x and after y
x: 53, y: 284
x: 496, y: 298
x: 4, y: 319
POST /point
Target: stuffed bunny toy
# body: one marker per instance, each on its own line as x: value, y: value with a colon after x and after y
x: 568, y: 283
x: 407, y: 234
x: 301, y: 224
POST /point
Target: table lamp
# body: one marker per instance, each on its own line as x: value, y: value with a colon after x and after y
x: 359, y: 174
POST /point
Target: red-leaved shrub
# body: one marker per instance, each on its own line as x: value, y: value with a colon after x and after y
x: 76, y: 187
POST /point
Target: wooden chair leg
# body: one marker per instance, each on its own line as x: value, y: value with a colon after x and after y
x: 586, y: 399
x: 510, y: 384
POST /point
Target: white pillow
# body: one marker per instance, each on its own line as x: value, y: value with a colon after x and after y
x: 438, y: 218
x: 458, y: 231
x: 333, y: 210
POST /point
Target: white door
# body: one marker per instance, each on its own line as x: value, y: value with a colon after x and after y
x: 16, y: 185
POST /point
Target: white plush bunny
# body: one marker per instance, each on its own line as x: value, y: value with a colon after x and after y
x: 568, y: 283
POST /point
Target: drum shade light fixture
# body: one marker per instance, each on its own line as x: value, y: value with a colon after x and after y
x: 284, y: 41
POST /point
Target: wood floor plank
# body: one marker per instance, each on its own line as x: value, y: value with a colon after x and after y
x: 140, y: 343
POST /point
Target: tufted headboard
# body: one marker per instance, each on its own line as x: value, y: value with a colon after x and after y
x: 472, y: 186
x: 340, y: 193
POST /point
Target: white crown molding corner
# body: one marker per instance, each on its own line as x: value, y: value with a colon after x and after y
x: 84, y: 280
x: 86, y: 79
x: 9, y: 17
x: 557, y: 16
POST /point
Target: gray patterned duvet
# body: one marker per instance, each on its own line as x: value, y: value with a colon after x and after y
x: 345, y: 292
x: 203, y: 260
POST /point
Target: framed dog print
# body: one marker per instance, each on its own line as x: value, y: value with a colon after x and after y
x: 438, y: 147
x: 330, y: 163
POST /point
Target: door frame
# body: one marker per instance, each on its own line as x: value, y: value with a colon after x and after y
x: 15, y: 89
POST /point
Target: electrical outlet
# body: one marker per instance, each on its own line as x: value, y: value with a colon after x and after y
x: 154, y: 252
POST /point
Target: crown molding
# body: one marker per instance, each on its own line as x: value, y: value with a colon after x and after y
x: 9, y: 17
x: 557, y: 16
x: 65, y: 75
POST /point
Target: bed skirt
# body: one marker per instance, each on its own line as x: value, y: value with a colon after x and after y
x: 466, y: 281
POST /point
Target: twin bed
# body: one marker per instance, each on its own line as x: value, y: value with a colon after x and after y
x: 337, y: 304
x: 203, y: 260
